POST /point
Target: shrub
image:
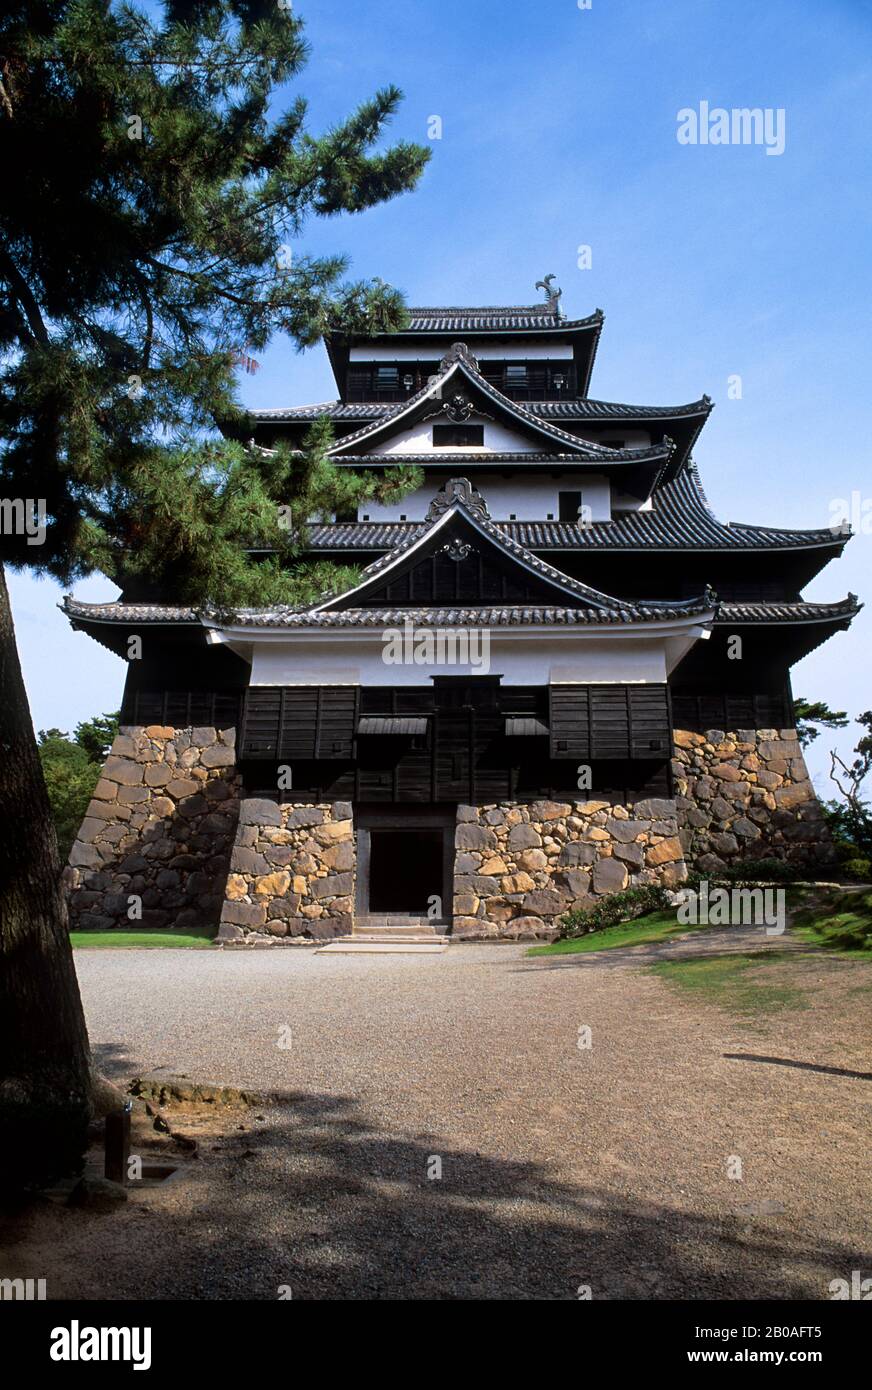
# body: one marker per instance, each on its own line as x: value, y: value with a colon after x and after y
x: 71, y: 767
x: 617, y: 908
x: 858, y: 868
x: 756, y: 870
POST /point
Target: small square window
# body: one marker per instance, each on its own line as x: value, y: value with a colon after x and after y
x: 516, y: 375
x: 387, y: 377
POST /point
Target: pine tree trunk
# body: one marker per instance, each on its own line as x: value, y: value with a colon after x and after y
x: 44, y: 1055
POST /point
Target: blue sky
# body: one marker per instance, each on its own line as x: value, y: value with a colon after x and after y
x: 559, y: 130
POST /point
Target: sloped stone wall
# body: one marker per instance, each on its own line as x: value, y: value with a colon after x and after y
x: 746, y: 795
x: 519, y: 868
x: 291, y: 873
x: 159, y: 829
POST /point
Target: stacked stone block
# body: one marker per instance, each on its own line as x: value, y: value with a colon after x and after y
x: 157, y: 833
x: 519, y: 868
x: 747, y: 795
x: 291, y: 873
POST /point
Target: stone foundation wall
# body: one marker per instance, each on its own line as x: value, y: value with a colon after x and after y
x: 519, y: 868
x: 159, y: 829
x: 167, y: 833
x: 746, y: 795
x: 291, y: 873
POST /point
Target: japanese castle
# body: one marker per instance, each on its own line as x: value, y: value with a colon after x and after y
x: 558, y: 673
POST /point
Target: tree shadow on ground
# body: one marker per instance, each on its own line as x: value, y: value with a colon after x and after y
x: 314, y: 1198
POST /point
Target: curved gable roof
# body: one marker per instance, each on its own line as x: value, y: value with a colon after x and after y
x: 476, y: 521
x: 373, y: 432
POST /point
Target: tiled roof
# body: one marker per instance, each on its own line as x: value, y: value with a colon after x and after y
x: 138, y: 614
x: 511, y: 615
x: 128, y: 612
x: 577, y: 409
x: 789, y: 612
x: 494, y: 319
x: 603, y: 457
x: 586, y: 409
x: 680, y: 520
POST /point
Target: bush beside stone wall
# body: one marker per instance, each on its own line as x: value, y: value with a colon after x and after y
x: 159, y: 828
x: 519, y: 868
x: 746, y: 795
x: 291, y: 873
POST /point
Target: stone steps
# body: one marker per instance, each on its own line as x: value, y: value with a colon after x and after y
x: 398, y: 938
x: 351, y: 946
x: 398, y: 928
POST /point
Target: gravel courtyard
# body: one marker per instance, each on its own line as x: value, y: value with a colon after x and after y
x: 561, y: 1166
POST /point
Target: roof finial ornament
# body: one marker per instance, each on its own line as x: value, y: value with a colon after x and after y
x: 552, y: 293
x: 458, y: 352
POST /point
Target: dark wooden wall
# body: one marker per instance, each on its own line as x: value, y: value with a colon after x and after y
x: 622, y: 732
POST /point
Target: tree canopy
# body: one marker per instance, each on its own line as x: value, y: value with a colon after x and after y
x: 163, y: 170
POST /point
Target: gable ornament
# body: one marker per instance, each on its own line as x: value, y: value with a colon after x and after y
x: 456, y: 550
x: 458, y: 490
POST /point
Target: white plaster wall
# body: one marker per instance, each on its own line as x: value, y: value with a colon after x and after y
x: 527, y: 497
x: 623, y: 502
x: 610, y: 659
x: 418, y: 439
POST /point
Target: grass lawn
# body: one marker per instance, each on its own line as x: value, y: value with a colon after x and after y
x: 724, y: 981
x: 841, y: 923
x: 199, y: 939
x: 654, y: 926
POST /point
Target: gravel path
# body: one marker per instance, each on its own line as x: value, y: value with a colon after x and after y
x: 561, y: 1166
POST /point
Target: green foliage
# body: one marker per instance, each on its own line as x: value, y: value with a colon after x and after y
x: 617, y: 907
x: 858, y: 868
x: 763, y: 871
x: 96, y: 735
x: 851, y: 818
x: 809, y: 713
x: 843, y: 921
x: 652, y: 926
x: 197, y: 939
x: 71, y: 767
x: 135, y: 273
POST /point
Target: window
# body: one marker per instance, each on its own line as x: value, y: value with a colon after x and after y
x: 458, y: 436
x: 387, y: 378
x: 516, y: 375
x: 570, y: 507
